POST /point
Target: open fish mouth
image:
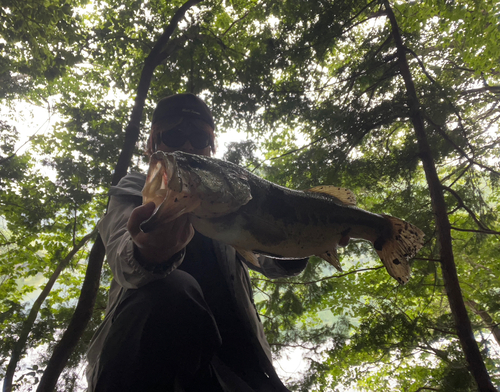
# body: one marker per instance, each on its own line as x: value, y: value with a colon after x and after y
x: 181, y: 183
x: 169, y: 191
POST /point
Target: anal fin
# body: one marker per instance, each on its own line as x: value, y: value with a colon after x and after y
x: 332, y: 257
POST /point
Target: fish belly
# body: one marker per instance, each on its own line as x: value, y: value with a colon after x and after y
x: 272, y: 239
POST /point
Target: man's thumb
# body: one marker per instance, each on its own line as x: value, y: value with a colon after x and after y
x: 139, y: 215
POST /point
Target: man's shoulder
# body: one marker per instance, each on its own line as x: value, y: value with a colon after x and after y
x: 130, y: 185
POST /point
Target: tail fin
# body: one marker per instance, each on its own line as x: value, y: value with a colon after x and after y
x: 396, y: 251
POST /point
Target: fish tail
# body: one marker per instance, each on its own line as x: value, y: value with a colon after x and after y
x: 397, y: 250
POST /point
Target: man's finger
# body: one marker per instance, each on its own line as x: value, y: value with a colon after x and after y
x: 139, y: 215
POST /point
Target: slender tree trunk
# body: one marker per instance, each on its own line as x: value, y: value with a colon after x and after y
x: 78, y: 323
x: 448, y: 267
x: 85, y: 306
x: 19, y: 346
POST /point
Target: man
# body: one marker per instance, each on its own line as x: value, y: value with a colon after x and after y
x: 180, y: 313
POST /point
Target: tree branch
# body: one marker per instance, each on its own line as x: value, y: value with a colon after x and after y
x: 461, y: 204
x: 5, y: 159
x: 457, y: 147
x: 487, y: 231
x: 485, y: 316
x: 448, y: 267
x: 236, y: 22
x: 427, y: 259
x: 490, y: 89
x: 319, y: 280
x: 289, y: 152
x: 455, y: 110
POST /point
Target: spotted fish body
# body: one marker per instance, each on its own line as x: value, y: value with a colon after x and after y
x: 231, y: 205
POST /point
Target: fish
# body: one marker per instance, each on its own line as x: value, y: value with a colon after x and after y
x: 257, y: 217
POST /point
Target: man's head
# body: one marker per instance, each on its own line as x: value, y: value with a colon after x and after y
x: 182, y: 122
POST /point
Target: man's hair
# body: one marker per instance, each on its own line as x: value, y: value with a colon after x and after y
x: 187, y: 106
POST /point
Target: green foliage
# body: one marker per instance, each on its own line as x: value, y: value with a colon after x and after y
x: 317, y: 87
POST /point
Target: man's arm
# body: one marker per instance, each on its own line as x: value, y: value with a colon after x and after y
x: 137, y: 258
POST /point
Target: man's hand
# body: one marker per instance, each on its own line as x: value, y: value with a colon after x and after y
x: 164, y: 241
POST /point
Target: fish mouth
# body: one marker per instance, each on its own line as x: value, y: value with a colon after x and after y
x: 167, y: 186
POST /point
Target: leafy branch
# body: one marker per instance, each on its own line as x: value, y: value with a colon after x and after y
x: 494, y: 89
x: 5, y: 159
x: 458, y: 148
x: 486, y: 318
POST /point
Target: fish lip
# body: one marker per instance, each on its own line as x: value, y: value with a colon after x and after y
x: 170, y: 168
x: 173, y: 182
x: 174, y: 177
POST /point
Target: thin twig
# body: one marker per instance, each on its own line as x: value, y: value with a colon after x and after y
x: 458, y: 148
x: 461, y: 204
x: 237, y: 21
x: 476, y: 231
x: 2, y: 160
x: 319, y: 280
x: 288, y: 152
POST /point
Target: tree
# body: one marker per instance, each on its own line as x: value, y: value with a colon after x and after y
x: 322, y: 81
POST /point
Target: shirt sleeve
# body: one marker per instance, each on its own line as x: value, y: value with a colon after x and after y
x: 127, y: 271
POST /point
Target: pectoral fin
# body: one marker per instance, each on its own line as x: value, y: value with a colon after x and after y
x: 249, y: 256
x: 332, y: 257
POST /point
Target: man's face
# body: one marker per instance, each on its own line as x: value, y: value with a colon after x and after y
x: 184, y: 134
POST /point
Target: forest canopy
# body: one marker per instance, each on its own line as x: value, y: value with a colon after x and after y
x: 397, y: 101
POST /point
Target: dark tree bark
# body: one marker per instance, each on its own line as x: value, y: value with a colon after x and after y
x: 462, y: 322
x: 86, y: 302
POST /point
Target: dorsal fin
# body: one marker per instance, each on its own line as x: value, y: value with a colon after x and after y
x: 343, y: 194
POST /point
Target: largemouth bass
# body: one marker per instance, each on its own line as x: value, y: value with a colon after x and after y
x: 255, y: 216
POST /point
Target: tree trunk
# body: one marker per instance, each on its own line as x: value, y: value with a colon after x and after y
x: 448, y: 267
x: 85, y: 306
x: 78, y: 323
